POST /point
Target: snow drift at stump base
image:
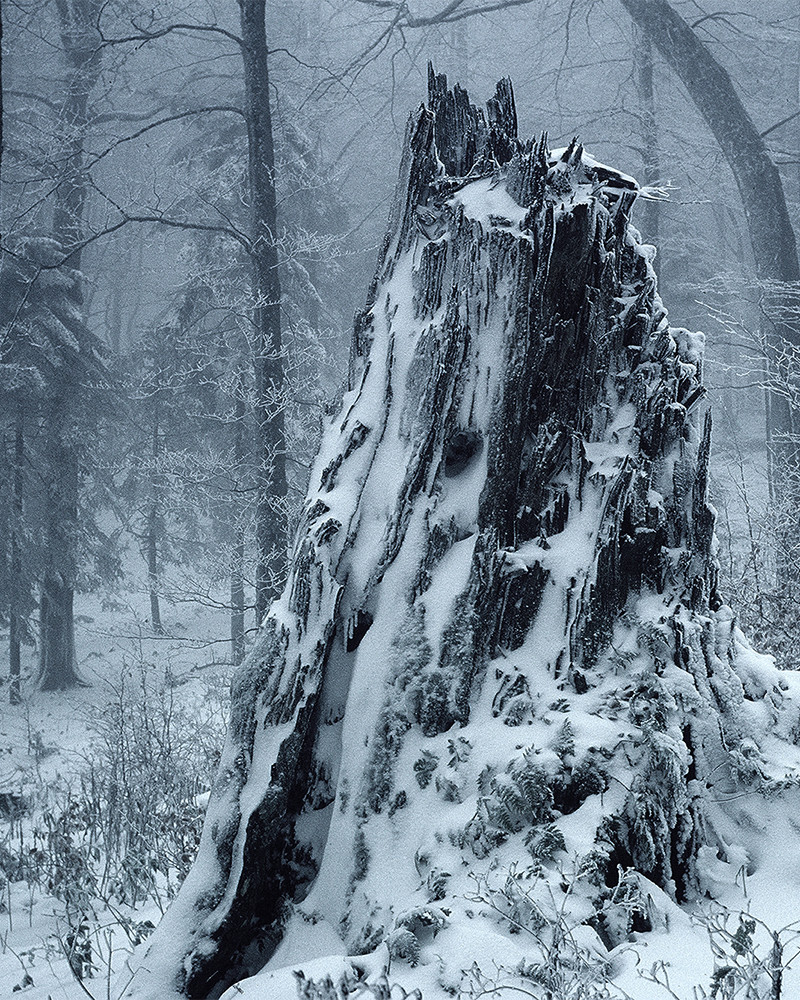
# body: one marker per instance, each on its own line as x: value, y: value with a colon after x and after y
x: 500, y: 693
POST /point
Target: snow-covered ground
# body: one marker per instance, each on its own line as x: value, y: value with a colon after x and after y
x: 52, y: 740
x: 152, y: 713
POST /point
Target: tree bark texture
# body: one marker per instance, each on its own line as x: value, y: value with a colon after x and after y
x: 644, y: 74
x: 57, y: 664
x: 57, y: 660
x: 271, y: 538
x: 154, y: 523
x: 758, y: 179
x: 238, y: 553
x: 506, y: 538
x: 16, y: 619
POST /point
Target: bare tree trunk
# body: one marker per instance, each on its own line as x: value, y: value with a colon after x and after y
x: 237, y: 556
x: 153, y: 525
x: 57, y: 662
x: 114, y: 321
x: 2, y: 98
x: 644, y: 73
x: 271, y: 531
x: 237, y: 597
x: 16, y: 625
x: 57, y: 668
x: 796, y: 128
x: 771, y: 234
x: 710, y: 87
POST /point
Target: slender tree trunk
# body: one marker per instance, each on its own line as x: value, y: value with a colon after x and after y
x: 271, y: 530
x: 153, y: 523
x: 796, y: 129
x: 16, y: 625
x: 237, y: 556
x: 644, y: 72
x: 152, y: 570
x: 114, y: 322
x: 237, y: 597
x: 2, y: 94
x: 460, y: 43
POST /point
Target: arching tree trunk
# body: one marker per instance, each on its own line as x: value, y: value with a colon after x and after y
x: 711, y: 89
x: 758, y: 179
x: 501, y: 645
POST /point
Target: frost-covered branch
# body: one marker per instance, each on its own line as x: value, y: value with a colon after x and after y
x: 180, y: 116
x: 150, y: 35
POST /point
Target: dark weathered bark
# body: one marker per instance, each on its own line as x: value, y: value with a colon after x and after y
x: 644, y: 72
x: 238, y: 553
x: 771, y: 234
x: 57, y: 653
x: 57, y: 662
x: 270, y: 380
x: 152, y: 570
x: 82, y: 55
x: 507, y: 520
x: 16, y: 622
x: 154, y: 522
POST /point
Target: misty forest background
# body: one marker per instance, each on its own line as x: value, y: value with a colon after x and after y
x: 193, y: 196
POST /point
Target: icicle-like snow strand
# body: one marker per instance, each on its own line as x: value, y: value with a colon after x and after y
x: 501, y: 645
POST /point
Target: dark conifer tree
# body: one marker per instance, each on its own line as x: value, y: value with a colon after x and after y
x: 54, y: 398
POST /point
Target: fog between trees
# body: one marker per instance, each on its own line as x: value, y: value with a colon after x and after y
x: 193, y: 198
x: 140, y: 149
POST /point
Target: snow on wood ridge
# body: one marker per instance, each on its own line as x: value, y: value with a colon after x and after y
x: 501, y: 692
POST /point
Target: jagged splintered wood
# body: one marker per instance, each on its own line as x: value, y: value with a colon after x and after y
x: 501, y: 638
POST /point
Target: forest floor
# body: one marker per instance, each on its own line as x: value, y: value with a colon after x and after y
x: 102, y: 795
x: 102, y: 792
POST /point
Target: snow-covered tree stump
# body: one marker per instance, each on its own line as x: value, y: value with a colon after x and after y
x: 501, y: 653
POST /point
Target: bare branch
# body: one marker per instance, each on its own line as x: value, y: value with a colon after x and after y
x: 453, y: 11
x: 161, y: 122
x: 27, y: 96
x: 783, y: 121
x: 127, y: 219
x: 163, y: 220
x: 150, y: 36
